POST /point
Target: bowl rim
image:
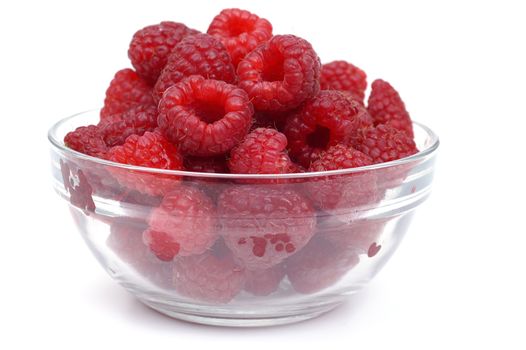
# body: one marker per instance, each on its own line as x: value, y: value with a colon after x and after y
x: 430, y: 149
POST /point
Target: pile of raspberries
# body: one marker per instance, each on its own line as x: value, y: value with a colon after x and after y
x: 239, y: 99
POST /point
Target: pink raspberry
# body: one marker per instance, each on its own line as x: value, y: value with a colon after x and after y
x: 342, y: 192
x: 135, y: 121
x: 87, y: 140
x: 125, y: 241
x: 318, y: 266
x: 264, y: 282
x: 263, y: 225
x: 212, y: 276
x: 183, y: 224
x: 357, y: 236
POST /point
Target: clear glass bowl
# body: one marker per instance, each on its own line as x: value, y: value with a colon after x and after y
x: 260, y: 262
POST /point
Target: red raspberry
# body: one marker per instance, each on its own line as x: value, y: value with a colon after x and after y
x: 263, y: 225
x: 384, y: 143
x: 210, y: 277
x: 87, y: 140
x: 264, y: 282
x: 386, y: 107
x: 136, y: 121
x: 280, y: 74
x: 150, y: 150
x: 183, y: 224
x: 342, y: 192
x: 216, y: 165
x: 318, y: 266
x: 343, y: 76
x: 126, y: 90
x: 205, y: 117
x: 262, y: 152
x: 199, y: 54
x: 240, y: 31
x: 324, y: 121
x: 357, y: 236
x: 151, y: 46
x: 125, y: 241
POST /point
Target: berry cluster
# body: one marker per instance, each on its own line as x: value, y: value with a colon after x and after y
x: 239, y: 99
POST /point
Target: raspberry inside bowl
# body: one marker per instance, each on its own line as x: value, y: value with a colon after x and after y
x: 241, y: 249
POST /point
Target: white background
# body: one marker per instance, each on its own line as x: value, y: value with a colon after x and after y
x: 458, y: 278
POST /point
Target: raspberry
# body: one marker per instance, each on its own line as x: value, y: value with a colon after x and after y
x: 150, y: 150
x: 262, y: 225
x: 262, y: 152
x: 264, y: 282
x: 87, y: 140
x: 357, y: 236
x: 77, y: 185
x: 384, y: 143
x: 386, y: 107
x: 318, y: 266
x: 136, y: 121
x: 216, y: 165
x: 183, y: 224
x: 343, y: 76
x: 125, y: 241
x: 211, y: 277
x: 199, y: 54
x: 240, y: 31
x: 205, y: 117
x: 324, y: 121
x: 342, y: 192
x: 151, y: 46
x: 126, y: 90
x: 280, y: 74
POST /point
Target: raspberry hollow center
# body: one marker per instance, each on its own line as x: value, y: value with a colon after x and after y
x: 273, y: 69
x: 237, y: 26
x: 208, y: 111
x: 319, y: 138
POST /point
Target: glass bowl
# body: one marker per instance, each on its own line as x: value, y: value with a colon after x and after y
x: 252, y: 250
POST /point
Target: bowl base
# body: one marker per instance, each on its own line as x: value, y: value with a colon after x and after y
x: 211, y: 318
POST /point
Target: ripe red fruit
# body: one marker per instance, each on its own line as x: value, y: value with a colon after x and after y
x: 326, y: 120
x: 135, y: 121
x: 126, y: 90
x: 199, y: 54
x: 240, y: 31
x: 280, y: 74
x: 150, y: 150
x: 344, y: 76
x: 205, y: 117
x: 386, y: 107
x: 318, y: 266
x: 262, y: 152
x: 151, y: 46
x: 87, y: 140
x: 264, y: 282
